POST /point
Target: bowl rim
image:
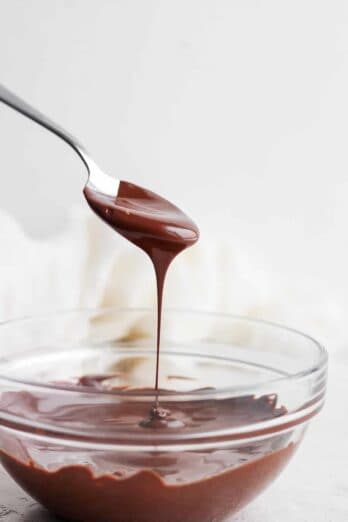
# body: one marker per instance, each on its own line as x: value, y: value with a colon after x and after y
x: 301, y: 415
x: 319, y: 367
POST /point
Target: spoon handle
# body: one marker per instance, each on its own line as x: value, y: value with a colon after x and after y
x: 16, y: 103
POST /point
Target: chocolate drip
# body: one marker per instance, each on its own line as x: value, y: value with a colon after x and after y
x: 156, y: 226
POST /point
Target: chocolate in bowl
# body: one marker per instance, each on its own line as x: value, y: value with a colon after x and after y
x: 239, y: 394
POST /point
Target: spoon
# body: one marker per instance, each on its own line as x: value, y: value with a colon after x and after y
x: 97, y: 179
x: 147, y: 220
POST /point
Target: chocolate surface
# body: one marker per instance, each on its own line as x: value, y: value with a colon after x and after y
x: 75, y: 493
x: 195, y: 485
x: 117, y: 416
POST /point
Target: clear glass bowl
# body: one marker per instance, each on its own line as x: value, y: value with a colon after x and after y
x: 242, y: 393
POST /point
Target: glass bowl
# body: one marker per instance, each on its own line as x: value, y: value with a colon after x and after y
x: 76, y: 392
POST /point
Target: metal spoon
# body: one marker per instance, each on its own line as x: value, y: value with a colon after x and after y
x: 97, y: 179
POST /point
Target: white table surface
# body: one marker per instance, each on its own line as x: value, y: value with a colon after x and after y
x: 313, y: 488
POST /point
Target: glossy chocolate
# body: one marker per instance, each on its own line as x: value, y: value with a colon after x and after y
x: 153, y: 224
x: 200, y: 485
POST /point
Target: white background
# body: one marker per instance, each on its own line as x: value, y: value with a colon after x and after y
x: 237, y: 110
x: 244, y: 102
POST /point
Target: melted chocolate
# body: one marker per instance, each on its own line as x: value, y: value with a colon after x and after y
x: 77, y: 494
x: 149, y: 221
x: 126, y: 413
x: 197, y: 485
x: 156, y: 226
